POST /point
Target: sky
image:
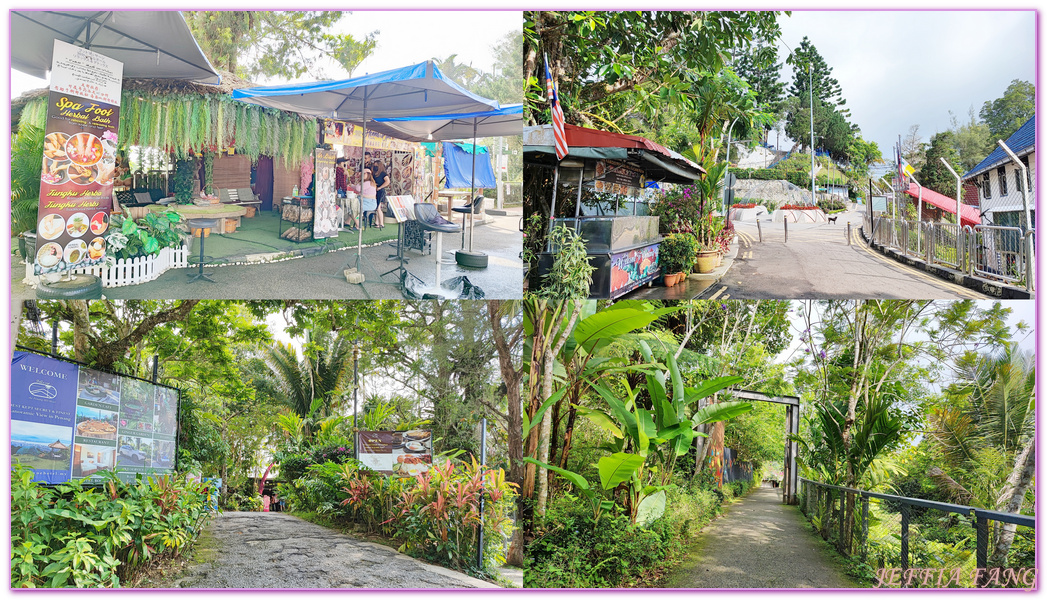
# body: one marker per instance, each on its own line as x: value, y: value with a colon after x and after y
x: 404, y: 38
x: 900, y: 68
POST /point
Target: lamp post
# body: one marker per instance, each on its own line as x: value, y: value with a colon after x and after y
x: 958, y: 191
x: 810, y: 85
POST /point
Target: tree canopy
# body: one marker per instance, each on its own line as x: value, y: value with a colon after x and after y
x: 286, y: 44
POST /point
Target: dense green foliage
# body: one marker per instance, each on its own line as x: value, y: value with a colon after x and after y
x: 72, y: 535
x: 571, y: 550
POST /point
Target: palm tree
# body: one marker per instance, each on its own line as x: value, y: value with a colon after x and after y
x: 27, y: 150
x: 1000, y: 415
x: 310, y: 385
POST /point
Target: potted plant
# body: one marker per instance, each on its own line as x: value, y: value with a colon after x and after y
x: 676, y: 256
x: 707, y: 226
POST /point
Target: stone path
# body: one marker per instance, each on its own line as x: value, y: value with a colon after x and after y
x: 760, y: 543
x: 277, y: 550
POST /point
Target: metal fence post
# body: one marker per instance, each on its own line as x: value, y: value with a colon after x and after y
x: 483, y: 463
x: 1030, y: 260
x: 905, y: 537
x: 982, y: 549
x: 848, y: 233
x: 865, y: 528
x: 840, y: 537
x: 759, y: 230
x: 786, y: 222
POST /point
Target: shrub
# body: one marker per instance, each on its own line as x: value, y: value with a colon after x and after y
x: 831, y: 205
x: 72, y: 535
x: 438, y: 515
x: 293, y: 466
x: 677, y: 252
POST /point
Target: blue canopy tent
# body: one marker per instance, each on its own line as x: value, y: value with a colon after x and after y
x: 503, y: 121
x: 414, y: 90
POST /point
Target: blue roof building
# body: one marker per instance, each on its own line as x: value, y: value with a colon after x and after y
x: 997, y: 179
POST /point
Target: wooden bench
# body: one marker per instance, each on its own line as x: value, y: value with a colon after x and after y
x: 240, y: 197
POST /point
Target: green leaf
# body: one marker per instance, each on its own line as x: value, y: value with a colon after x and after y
x: 710, y: 387
x: 600, y: 419
x: 618, y: 468
x: 531, y: 422
x: 577, y: 480
x: 609, y: 324
x: 128, y: 227
x: 722, y: 411
x: 650, y: 508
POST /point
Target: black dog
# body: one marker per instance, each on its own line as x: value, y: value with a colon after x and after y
x: 832, y: 219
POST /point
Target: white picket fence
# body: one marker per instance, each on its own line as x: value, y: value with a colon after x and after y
x: 130, y: 271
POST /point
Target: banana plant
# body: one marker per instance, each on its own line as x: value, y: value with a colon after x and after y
x: 665, y: 431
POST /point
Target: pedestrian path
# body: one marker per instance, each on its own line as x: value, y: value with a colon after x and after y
x: 760, y: 543
x: 277, y: 550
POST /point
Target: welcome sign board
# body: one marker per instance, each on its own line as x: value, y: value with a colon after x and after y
x: 71, y: 422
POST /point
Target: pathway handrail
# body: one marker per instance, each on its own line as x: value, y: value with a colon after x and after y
x: 992, y: 515
x: 980, y: 518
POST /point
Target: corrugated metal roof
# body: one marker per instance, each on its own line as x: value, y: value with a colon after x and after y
x: 1021, y: 142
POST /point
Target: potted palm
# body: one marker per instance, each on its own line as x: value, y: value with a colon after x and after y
x: 707, y: 225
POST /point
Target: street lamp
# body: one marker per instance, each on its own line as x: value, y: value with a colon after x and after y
x: 810, y: 85
x: 958, y: 191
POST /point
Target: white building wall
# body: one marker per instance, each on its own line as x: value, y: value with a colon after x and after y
x: 1012, y: 201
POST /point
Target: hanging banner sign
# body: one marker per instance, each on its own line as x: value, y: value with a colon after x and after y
x: 325, y: 206
x: 348, y: 134
x: 79, y: 162
x: 396, y: 452
x: 617, y: 177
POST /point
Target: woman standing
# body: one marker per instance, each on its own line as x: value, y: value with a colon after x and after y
x: 382, y: 181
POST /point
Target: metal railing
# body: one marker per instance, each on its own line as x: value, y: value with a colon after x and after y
x: 826, y: 506
x: 986, y: 251
x: 998, y: 252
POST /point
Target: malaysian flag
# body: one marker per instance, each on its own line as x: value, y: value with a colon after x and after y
x: 557, y: 110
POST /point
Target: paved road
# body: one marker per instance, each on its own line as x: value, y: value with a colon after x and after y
x: 760, y: 543
x: 277, y: 550
x: 817, y: 262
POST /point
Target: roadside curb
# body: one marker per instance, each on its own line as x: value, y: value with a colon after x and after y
x: 984, y: 286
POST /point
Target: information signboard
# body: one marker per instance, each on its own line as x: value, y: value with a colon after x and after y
x: 71, y: 422
x: 396, y: 452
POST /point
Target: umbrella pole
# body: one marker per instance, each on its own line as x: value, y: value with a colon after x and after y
x: 360, y: 225
x: 552, y: 209
x: 472, y: 191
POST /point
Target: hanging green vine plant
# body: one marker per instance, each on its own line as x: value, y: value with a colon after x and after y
x: 209, y: 172
x: 183, y: 180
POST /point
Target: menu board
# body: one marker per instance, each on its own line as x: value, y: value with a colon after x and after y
x: 617, y: 177
x: 79, y: 162
x: 402, y: 207
x: 325, y: 204
x: 396, y: 452
x: 71, y: 422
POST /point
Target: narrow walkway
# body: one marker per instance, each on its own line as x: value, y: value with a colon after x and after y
x: 760, y: 543
x: 277, y: 550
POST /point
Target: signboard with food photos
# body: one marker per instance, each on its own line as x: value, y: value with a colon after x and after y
x: 396, y: 452
x: 79, y: 162
x: 71, y: 422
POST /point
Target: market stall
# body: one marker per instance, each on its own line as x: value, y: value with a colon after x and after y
x: 415, y: 90
x: 622, y: 247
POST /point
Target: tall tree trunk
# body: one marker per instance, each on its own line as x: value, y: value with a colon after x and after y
x: 1012, y: 497
x: 543, y: 445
